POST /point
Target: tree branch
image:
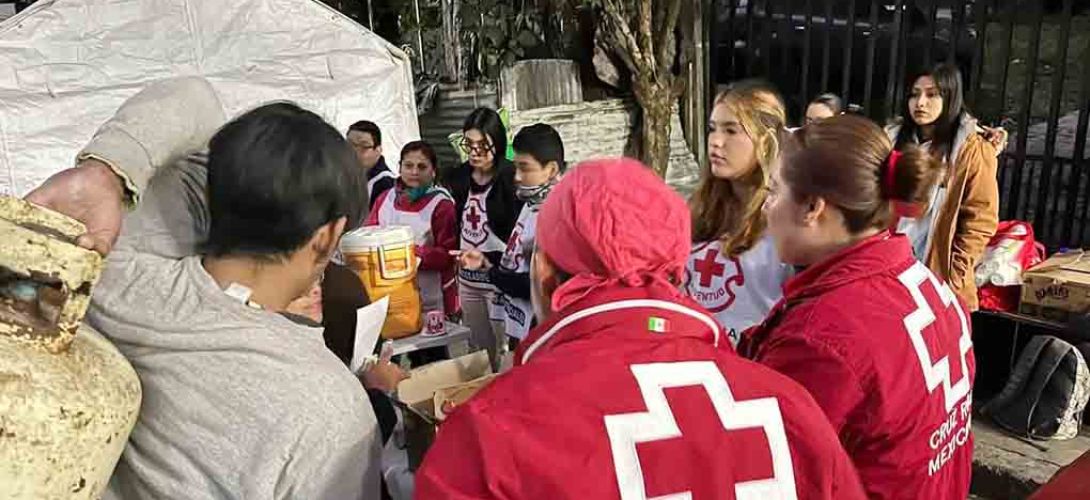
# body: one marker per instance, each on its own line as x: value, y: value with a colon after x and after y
x: 666, y: 36
x: 684, y: 58
x: 643, y: 24
x: 608, y: 42
x: 623, y: 39
x: 676, y: 84
x: 677, y: 89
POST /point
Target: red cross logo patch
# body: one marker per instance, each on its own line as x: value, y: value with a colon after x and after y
x: 712, y: 276
x: 475, y: 222
x: 512, y: 255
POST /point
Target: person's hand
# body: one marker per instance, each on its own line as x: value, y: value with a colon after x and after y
x: 309, y: 305
x: 997, y: 137
x: 383, y: 376
x: 90, y: 193
x: 473, y: 260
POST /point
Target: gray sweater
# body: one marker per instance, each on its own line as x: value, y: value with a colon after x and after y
x: 238, y: 402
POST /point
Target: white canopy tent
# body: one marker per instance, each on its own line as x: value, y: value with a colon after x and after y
x: 66, y: 66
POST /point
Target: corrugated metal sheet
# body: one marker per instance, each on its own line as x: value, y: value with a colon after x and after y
x: 540, y: 83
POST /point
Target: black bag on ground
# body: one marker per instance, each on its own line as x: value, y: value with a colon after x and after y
x: 1046, y: 393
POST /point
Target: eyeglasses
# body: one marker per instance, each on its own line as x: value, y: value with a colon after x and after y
x: 482, y: 147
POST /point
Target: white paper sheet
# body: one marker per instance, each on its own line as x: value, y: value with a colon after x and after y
x: 369, y: 321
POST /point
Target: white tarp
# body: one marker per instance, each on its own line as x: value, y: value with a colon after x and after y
x: 66, y: 66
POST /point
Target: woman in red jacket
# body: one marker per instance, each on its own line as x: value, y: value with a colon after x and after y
x: 428, y: 209
x: 881, y: 343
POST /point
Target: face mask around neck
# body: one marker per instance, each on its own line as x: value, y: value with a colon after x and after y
x: 535, y: 194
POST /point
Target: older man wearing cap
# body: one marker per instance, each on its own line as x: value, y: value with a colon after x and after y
x: 627, y: 389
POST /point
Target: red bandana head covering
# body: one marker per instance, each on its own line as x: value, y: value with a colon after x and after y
x: 613, y: 222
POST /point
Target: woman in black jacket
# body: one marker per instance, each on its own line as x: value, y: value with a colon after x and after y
x: 484, y: 195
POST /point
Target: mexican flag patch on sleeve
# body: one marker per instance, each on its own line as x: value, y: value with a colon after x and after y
x: 656, y: 324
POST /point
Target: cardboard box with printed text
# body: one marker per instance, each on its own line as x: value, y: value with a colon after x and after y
x: 1058, y: 288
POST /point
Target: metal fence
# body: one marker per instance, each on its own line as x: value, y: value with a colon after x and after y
x: 1026, y: 65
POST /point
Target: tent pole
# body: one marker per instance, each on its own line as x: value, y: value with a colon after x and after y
x: 419, y: 35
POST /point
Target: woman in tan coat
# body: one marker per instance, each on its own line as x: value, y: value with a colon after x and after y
x: 949, y: 234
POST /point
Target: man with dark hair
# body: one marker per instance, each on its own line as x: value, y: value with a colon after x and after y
x: 538, y: 145
x: 240, y: 401
x: 539, y: 163
x: 366, y: 140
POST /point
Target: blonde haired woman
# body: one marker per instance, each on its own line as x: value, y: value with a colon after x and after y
x: 733, y: 270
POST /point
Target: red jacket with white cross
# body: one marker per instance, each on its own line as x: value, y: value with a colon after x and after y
x: 885, y: 348
x: 635, y: 393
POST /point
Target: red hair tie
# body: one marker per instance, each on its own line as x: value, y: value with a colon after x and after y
x: 891, y: 172
x: 900, y: 208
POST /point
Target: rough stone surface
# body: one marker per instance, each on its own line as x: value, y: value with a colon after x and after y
x: 1006, y: 467
x: 64, y: 418
x: 598, y: 129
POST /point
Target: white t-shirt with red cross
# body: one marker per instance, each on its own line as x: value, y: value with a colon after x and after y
x: 517, y: 313
x: 738, y: 291
x: 477, y: 235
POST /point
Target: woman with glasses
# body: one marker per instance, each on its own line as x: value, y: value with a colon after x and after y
x: 487, y: 209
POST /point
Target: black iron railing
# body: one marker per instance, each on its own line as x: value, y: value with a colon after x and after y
x: 1026, y: 64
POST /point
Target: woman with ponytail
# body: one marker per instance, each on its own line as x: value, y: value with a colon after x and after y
x: 882, y: 344
x: 733, y: 270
